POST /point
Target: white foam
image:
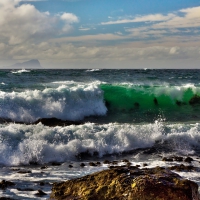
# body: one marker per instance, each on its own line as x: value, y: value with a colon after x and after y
x: 67, y: 102
x: 20, y: 71
x: 25, y: 143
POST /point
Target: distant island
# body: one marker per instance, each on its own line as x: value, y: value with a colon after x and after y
x: 34, y: 63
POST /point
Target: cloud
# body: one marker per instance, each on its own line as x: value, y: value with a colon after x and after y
x: 69, y: 18
x: 146, y: 18
x: 20, y: 23
x: 184, y: 18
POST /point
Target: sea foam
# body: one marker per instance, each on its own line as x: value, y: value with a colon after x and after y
x: 22, y: 144
x: 67, y: 102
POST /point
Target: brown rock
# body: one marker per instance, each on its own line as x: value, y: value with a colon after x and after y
x: 127, y: 183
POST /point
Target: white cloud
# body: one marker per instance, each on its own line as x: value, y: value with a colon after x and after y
x: 184, y: 18
x: 69, y: 18
x: 21, y: 23
x: 145, y: 18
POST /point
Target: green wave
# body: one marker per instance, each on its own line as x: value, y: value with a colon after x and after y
x: 168, y: 100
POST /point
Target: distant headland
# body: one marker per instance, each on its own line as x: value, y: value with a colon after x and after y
x: 34, y: 63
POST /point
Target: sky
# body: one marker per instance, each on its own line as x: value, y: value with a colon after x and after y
x: 101, y: 33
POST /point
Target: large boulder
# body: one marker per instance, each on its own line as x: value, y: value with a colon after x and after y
x: 129, y: 183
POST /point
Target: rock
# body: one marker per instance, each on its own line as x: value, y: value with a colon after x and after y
x: 125, y: 160
x: 195, y: 100
x: 82, y: 165
x: 182, y: 168
x: 129, y: 183
x: 167, y: 159
x: 24, y: 171
x: 106, y: 162
x: 92, y: 164
x: 145, y: 164
x: 55, y: 163
x: 56, y: 122
x: 70, y: 166
x: 188, y: 159
x: 178, y: 158
x: 4, y: 184
x: 40, y: 193
x: 44, y: 167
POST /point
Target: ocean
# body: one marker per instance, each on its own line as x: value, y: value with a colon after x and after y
x: 140, y: 115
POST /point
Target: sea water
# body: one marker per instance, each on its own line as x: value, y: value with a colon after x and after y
x: 140, y: 115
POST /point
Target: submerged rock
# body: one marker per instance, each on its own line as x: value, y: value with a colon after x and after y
x: 195, y: 100
x: 129, y: 183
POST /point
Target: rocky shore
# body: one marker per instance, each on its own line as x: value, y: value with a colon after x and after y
x: 128, y: 183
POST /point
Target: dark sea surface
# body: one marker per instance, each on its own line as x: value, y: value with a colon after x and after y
x: 141, y: 115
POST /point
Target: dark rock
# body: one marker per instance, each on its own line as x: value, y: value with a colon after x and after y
x: 106, y: 162
x: 188, y: 159
x: 98, y: 163
x: 195, y: 100
x: 136, y: 105
x: 125, y: 160
x: 4, y: 184
x: 55, y: 164
x: 124, y: 183
x: 145, y: 164
x: 42, y: 183
x: 24, y: 171
x: 43, y: 167
x: 182, y: 168
x: 82, y: 165
x: 33, y: 163
x: 178, y: 158
x: 56, y: 122
x: 5, y: 198
x: 25, y: 189
x: 155, y: 101
x: 167, y: 159
x: 40, y: 193
x: 114, y: 162
x: 70, y: 166
x: 92, y: 164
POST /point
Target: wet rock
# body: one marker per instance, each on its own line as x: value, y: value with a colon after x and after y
x: 188, y: 159
x: 178, y: 158
x: 92, y: 164
x: 4, y: 184
x: 125, y: 160
x: 98, y: 163
x: 40, y: 193
x: 127, y: 183
x: 106, y: 162
x: 25, y: 189
x: 114, y: 162
x: 167, y: 159
x: 24, y: 171
x: 195, y: 100
x: 70, y: 166
x: 43, y: 167
x: 82, y: 165
x: 145, y: 164
x: 55, y: 163
x: 56, y: 122
x: 182, y: 168
x: 5, y: 198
